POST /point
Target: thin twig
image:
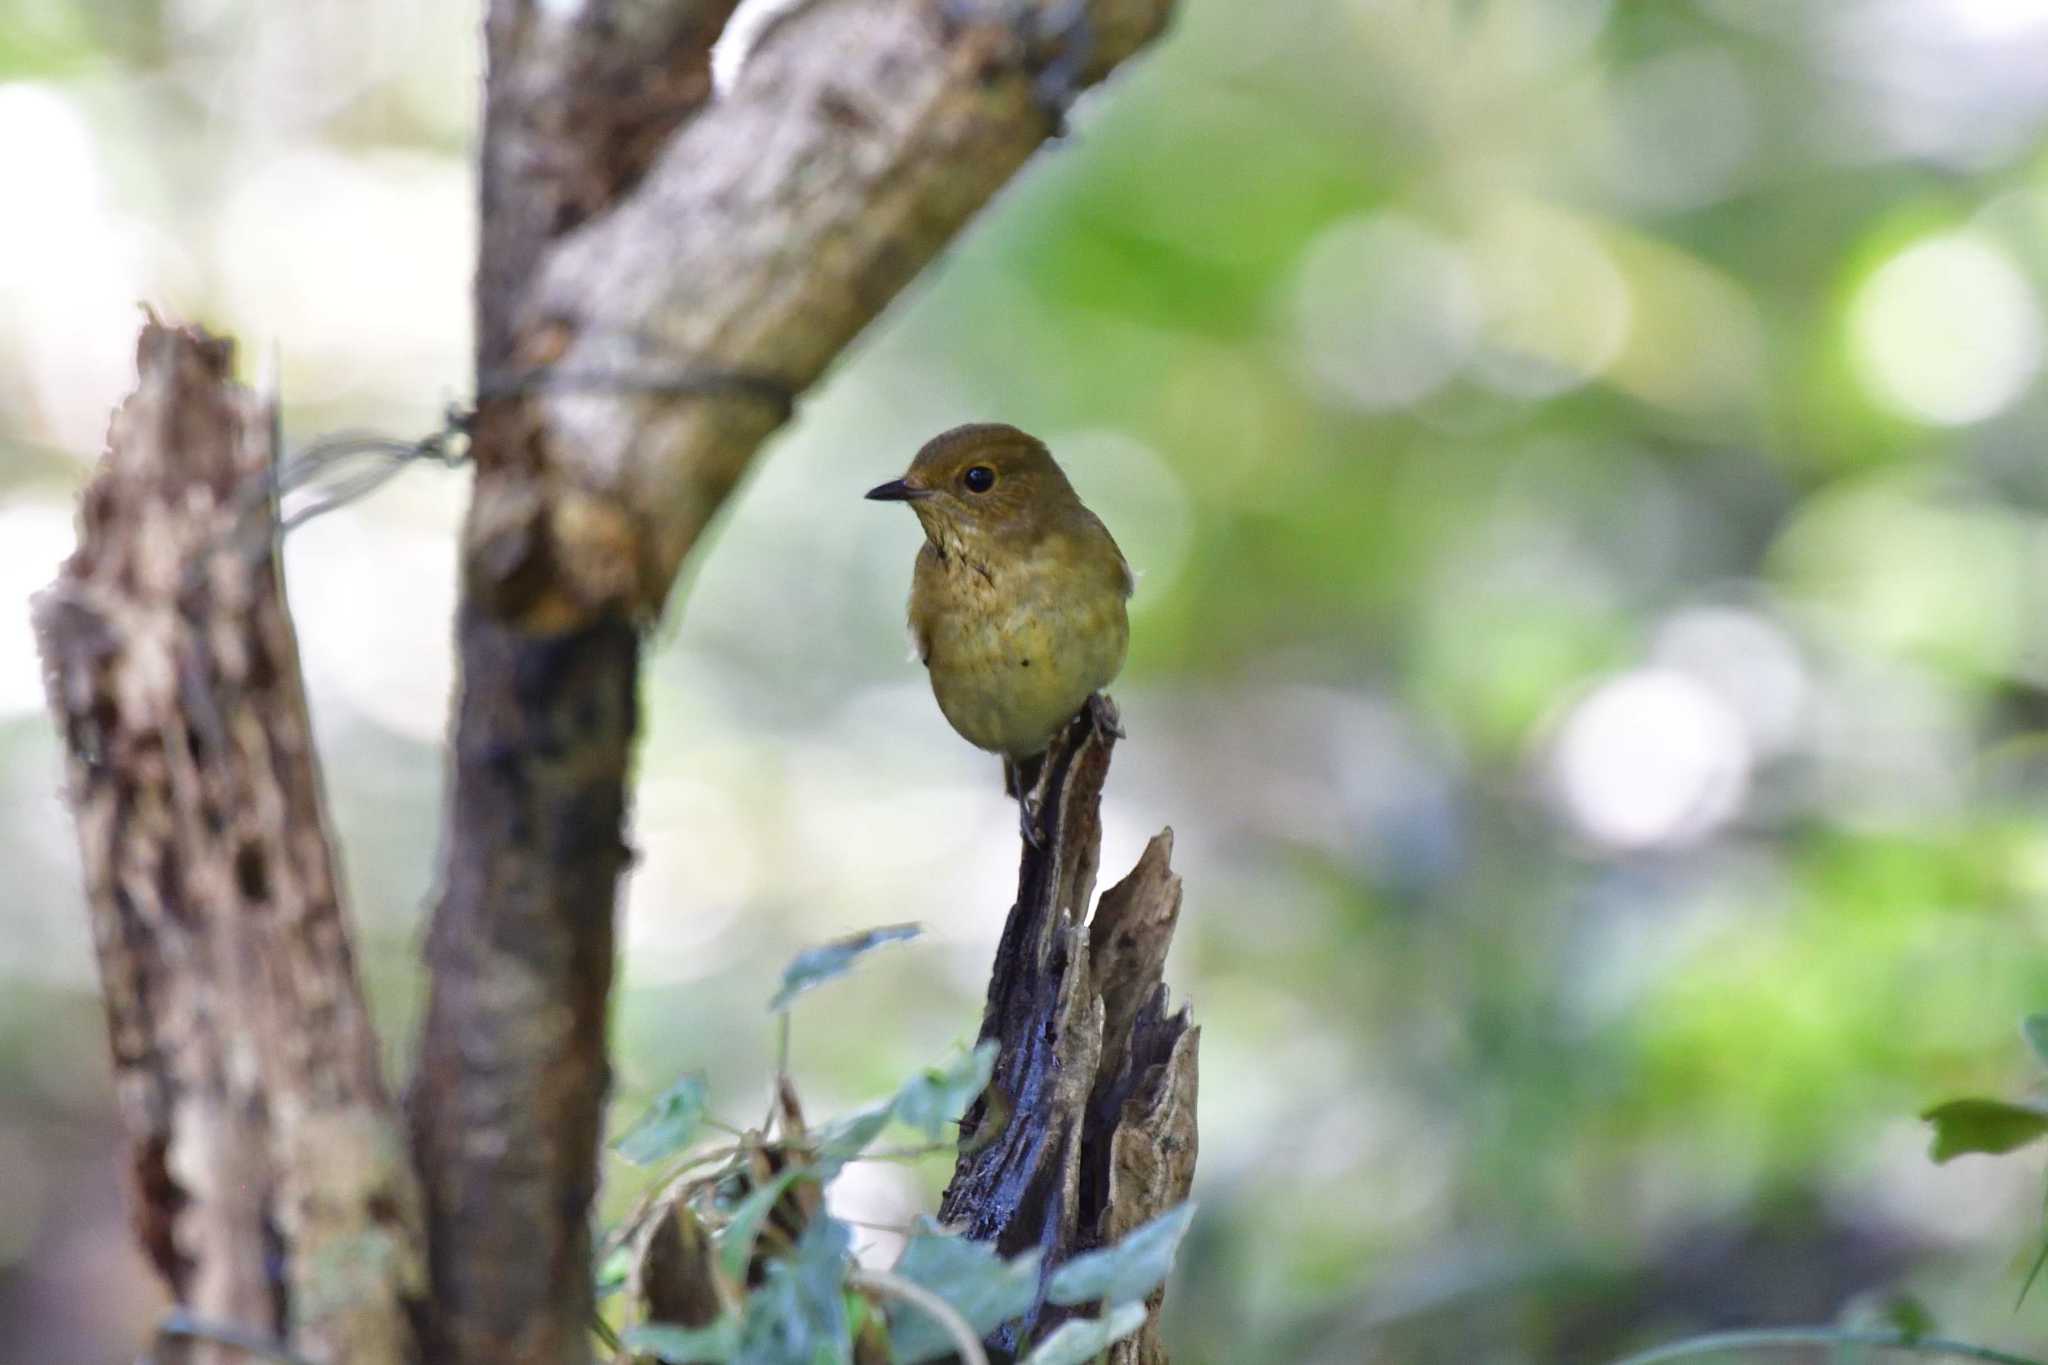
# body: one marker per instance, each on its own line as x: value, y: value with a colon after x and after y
x: 889, y: 1286
x: 1751, y: 1339
x: 781, y: 1066
x: 662, y: 1194
x: 906, y: 1153
x: 602, y: 1330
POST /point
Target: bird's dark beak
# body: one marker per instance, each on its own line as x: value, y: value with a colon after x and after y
x: 896, y: 490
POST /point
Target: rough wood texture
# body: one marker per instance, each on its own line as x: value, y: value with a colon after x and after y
x: 580, y: 101
x: 270, y: 1183
x: 508, y: 1102
x: 771, y: 227
x: 1095, y: 1081
x: 509, y: 1096
x: 660, y: 274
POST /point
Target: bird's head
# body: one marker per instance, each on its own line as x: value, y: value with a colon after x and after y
x: 983, y: 484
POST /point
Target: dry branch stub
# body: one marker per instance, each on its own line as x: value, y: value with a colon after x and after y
x: 270, y: 1182
x: 1095, y: 1081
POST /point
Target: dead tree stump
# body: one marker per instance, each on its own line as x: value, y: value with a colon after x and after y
x: 1088, y: 1127
x: 271, y: 1184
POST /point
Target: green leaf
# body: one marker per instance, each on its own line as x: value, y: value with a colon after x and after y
x: 2034, y: 1028
x: 612, y: 1274
x: 926, y: 1102
x: 736, y: 1243
x: 2040, y: 1260
x: 1909, y: 1316
x: 798, y: 1316
x: 1989, y: 1126
x: 1128, y: 1271
x: 2033, y: 1273
x: 669, y: 1123
x: 931, y: 1100
x: 711, y: 1345
x: 828, y: 961
x: 982, y: 1287
x: 845, y: 1138
x: 1722, y: 1344
x: 1079, y: 1341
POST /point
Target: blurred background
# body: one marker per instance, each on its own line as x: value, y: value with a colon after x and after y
x: 1585, y: 461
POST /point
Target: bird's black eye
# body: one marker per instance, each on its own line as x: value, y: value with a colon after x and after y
x: 979, y: 479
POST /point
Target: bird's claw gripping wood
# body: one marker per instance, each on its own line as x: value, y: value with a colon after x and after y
x: 1030, y: 810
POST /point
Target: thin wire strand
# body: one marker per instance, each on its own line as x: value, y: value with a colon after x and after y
x: 381, y: 459
x: 447, y: 446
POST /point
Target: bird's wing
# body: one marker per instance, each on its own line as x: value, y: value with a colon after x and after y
x: 1128, y: 581
x: 916, y: 621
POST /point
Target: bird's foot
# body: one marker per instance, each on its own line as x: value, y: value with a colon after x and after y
x: 1029, y: 807
x: 1024, y: 780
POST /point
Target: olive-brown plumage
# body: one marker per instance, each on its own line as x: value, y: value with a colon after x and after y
x: 1017, y: 600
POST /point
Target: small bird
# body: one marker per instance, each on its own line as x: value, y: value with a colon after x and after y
x: 1017, y: 600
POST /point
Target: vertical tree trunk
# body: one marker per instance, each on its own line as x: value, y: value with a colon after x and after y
x: 270, y: 1185
x: 509, y: 1098
x: 661, y: 274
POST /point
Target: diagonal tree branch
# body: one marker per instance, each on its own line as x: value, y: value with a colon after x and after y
x: 859, y: 138
x: 660, y: 276
x: 271, y: 1187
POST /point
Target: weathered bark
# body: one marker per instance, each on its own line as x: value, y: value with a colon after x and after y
x: 660, y: 275
x: 652, y: 347
x: 270, y: 1183
x: 508, y: 1101
x: 1094, y: 1084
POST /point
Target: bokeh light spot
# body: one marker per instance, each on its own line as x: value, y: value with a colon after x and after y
x: 1653, y: 758
x: 1750, y: 660
x: 1139, y: 495
x: 1684, y: 130
x: 1384, y: 312
x: 1557, y: 308
x: 1947, y: 331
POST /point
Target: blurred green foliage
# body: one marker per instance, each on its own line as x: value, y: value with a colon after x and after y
x: 784, y: 1268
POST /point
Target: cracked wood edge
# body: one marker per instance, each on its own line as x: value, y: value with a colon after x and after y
x: 1095, y: 1082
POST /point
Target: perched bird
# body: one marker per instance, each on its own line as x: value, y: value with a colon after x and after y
x: 1017, y: 600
